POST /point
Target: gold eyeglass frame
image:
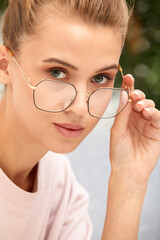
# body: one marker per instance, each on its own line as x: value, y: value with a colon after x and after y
x: 27, y: 79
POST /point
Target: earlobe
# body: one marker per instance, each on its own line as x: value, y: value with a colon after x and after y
x: 4, y: 75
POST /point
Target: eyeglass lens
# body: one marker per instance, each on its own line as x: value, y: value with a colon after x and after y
x: 54, y: 96
x: 107, y: 103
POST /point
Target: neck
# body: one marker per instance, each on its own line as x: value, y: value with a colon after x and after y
x: 19, y: 152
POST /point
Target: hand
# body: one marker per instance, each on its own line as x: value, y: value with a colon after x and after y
x: 135, y: 137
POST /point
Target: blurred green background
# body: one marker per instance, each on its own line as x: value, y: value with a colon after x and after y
x: 141, y: 55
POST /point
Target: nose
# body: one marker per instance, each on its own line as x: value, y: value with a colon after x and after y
x: 80, y: 105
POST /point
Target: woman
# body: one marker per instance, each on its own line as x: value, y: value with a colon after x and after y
x: 58, y: 61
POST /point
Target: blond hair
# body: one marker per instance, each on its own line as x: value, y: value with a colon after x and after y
x: 23, y: 16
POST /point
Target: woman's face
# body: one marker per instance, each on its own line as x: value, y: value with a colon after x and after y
x: 67, y: 50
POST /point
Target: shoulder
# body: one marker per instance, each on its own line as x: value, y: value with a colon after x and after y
x: 69, y: 200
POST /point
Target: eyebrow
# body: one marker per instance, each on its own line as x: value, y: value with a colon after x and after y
x: 56, y: 60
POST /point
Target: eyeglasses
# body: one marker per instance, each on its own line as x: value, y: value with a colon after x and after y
x: 56, y: 96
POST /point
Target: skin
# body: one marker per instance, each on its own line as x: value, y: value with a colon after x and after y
x: 135, y: 135
x: 34, y: 128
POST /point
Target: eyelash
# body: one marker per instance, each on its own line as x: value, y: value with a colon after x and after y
x: 58, y: 69
x: 104, y: 76
x: 109, y: 78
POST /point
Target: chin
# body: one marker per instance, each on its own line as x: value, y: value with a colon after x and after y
x: 64, y: 148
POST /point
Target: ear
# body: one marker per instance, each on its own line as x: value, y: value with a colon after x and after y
x: 4, y: 63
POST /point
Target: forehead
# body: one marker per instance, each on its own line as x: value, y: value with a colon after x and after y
x: 72, y: 38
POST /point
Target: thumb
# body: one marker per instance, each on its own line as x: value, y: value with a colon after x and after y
x: 121, y: 120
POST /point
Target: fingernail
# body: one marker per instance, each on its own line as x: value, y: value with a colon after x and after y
x: 141, y: 103
x: 148, y: 110
x: 136, y: 93
x: 139, y: 106
x: 130, y: 75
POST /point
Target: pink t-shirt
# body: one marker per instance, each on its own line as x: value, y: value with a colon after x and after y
x: 56, y: 211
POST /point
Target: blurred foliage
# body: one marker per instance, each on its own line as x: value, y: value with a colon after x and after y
x: 141, y: 55
x: 3, y: 5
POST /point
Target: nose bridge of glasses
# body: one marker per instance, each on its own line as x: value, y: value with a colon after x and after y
x: 85, y: 94
x: 80, y: 104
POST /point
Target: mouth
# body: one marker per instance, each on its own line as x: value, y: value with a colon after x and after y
x: 69, y: 130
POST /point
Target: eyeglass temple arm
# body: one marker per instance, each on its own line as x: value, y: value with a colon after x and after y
x: 26, y: 77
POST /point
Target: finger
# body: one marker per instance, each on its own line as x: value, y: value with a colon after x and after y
x: 137, y: 95
x: 153, y: 115
x: 128, y: 81
x: 141, y: 105
x: 121, y: 121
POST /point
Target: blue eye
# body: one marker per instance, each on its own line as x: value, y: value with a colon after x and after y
x: 57, y: 73
x: 101, y: 79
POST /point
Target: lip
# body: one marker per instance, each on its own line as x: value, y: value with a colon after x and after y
x: 69, y: 130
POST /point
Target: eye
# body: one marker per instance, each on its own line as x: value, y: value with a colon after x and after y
x: 57, y: 73
x: 101, y: 79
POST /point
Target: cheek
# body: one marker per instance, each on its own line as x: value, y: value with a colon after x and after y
x: 23, y: 105
x: 22, y: 97
x: 35, y: 125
